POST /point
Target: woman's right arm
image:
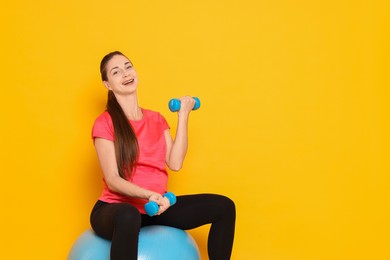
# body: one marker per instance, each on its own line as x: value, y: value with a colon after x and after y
x: 106, y: 154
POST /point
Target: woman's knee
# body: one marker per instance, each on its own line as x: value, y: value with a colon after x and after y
x: 108, y: 219
x: 222, y: 205
x: 127, y: 216
x: 227, y: 205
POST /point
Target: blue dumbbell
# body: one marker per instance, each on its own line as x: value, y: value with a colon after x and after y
x: 152, y: 207
x: 174, y: 104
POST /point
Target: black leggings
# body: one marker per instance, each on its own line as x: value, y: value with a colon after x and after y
x: 121, y: 222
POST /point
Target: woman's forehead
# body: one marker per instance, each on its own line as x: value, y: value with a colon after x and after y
x: 118, y: 60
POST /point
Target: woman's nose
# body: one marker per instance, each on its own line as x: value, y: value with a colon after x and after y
x: 126, y: 74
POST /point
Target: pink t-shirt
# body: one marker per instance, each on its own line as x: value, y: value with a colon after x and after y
x: 150, y: 170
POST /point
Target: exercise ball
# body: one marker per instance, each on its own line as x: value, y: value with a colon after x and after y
x: 155, y: 243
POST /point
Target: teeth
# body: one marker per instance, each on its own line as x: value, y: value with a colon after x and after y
x: 128, y: 82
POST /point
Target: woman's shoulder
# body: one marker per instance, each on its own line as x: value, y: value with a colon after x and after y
x: 103, y: 127
x: 104, y: 117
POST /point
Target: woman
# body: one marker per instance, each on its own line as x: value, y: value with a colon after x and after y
x: 134, y: 148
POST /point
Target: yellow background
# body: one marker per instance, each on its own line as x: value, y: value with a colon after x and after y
x: 294, y: 124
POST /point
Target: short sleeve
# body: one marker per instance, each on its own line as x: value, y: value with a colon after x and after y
x: 103, y: 128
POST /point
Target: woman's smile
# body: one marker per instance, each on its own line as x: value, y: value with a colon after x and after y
x: 128, y: 82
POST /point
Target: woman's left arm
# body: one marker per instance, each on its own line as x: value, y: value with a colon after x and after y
x: 177, y: 148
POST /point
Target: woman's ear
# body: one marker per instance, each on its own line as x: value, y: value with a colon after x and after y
x: 107, y: 85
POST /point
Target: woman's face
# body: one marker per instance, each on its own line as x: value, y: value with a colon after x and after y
x: 121, y: 76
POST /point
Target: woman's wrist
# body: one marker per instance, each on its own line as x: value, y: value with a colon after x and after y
x: 183, y: 115
x: 148, y: 194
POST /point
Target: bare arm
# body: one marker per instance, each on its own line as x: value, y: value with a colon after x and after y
x: 177, y: 148
x: 106, y: 154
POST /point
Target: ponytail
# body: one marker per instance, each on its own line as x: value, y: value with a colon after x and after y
x: 126, y: 145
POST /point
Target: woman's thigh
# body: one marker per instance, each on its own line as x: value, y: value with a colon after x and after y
x: 191, y: 211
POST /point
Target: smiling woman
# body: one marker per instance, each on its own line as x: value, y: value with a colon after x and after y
x: 119, y: 74
x: 134, y: 148
x: 294, y: 124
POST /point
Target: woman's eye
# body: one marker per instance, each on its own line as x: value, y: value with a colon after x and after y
x: 129, y: 67
x: 115, y: 72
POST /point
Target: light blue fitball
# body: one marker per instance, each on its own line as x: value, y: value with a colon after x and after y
x: 155, y: 243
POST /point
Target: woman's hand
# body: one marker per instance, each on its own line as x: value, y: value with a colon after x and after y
x: 161, y: 201
x: 187, y: 103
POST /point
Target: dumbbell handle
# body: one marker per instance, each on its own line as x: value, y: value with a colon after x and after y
x: 174, y: 104
x: 152, y: 207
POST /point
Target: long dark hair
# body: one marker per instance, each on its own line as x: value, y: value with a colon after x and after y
x: 126, y: 145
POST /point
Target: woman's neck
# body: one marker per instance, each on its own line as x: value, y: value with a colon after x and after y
x: 130, y: 107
